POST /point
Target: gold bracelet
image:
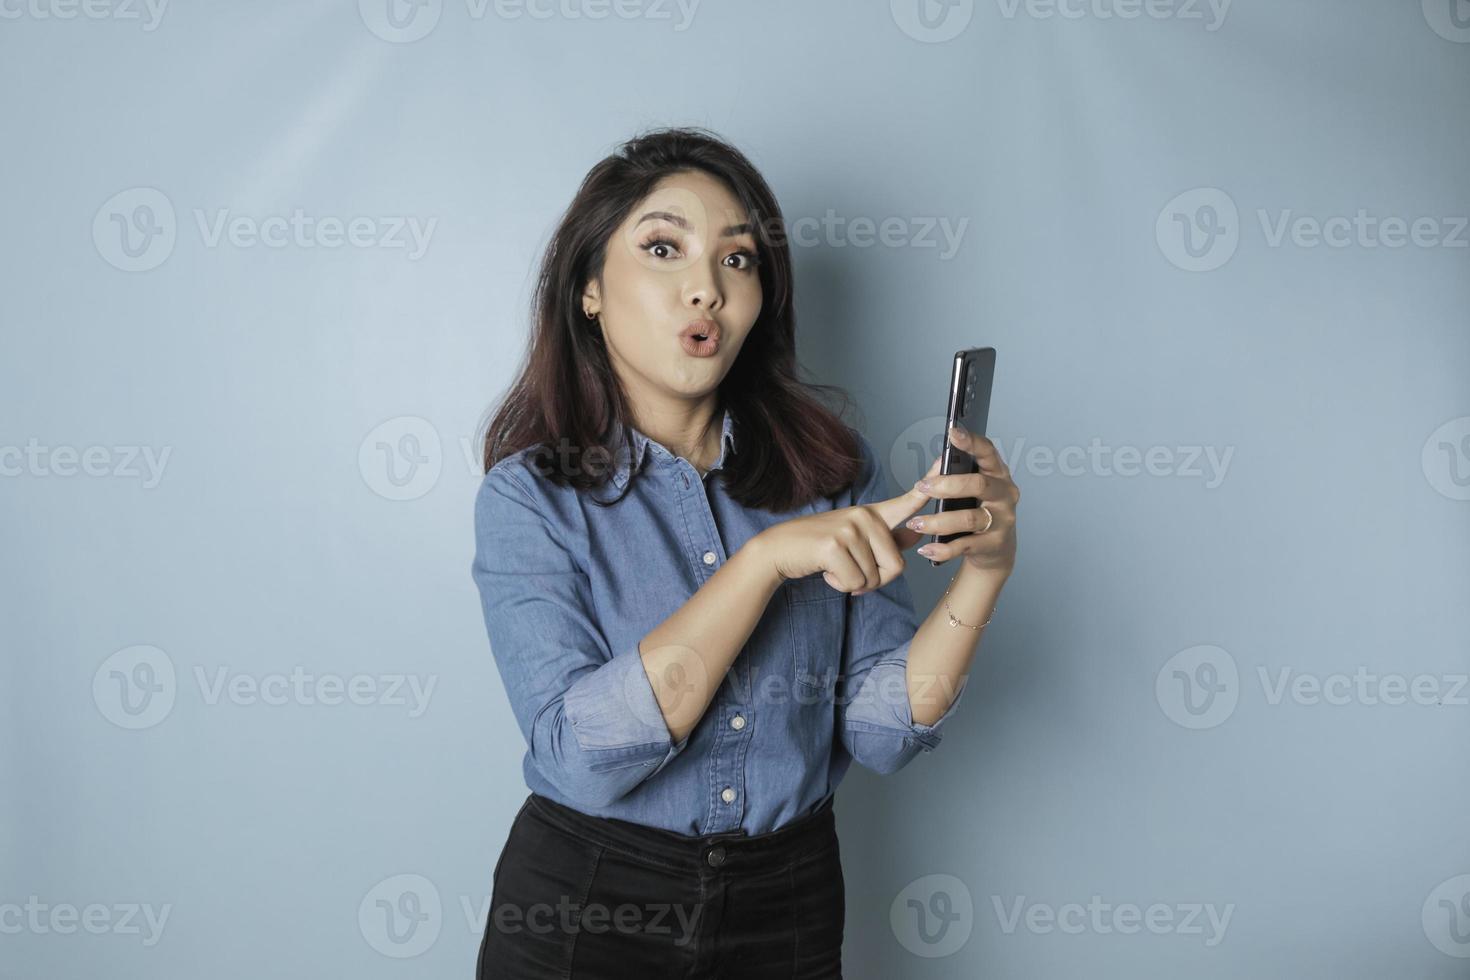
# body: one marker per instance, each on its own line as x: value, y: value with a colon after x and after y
x: 954, y: 620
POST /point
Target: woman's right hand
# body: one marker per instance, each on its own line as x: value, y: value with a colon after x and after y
x: 855, y: 547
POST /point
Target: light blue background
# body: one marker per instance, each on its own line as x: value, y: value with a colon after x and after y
x: 1335, y: 377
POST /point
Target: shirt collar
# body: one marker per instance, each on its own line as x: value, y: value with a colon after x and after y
x: 641, y: 442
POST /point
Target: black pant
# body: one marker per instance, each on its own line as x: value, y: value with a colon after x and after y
x: 577, y: 896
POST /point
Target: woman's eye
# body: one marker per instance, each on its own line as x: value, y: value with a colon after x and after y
x: 654, y: 243
x: 750, y: 260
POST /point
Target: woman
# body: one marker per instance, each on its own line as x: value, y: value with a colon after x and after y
x: 660, y: 496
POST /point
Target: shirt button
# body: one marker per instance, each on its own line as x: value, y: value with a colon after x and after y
x: 738, y: 722
x: 709, y: 557
x: 715, y: 857
x: 728, y: 794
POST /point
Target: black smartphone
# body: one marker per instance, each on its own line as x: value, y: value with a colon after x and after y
x: 969, y: 408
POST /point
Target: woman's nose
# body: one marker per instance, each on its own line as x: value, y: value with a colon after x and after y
x: 702, y: 289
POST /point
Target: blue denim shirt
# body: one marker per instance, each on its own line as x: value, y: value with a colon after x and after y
x: 569, y: 589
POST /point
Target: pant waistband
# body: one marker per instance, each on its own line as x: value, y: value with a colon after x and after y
x: 730, y: 851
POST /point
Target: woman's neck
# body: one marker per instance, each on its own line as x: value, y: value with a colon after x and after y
x: 689, y: 430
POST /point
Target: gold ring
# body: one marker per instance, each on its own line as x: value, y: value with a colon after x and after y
x: 989, y: 519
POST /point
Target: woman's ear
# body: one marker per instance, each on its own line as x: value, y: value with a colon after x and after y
x: 591, y: 301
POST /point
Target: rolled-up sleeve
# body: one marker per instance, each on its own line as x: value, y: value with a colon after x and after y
x: 875, y: 718
x: 588, y: 713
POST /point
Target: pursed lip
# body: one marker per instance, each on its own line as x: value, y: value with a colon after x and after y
x: 709, y: 328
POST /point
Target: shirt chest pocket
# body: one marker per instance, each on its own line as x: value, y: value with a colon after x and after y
x: 817, y: 616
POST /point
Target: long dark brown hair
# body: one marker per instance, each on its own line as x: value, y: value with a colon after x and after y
x: 792, y: 448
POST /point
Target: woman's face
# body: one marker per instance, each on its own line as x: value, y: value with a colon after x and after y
x: 684, y: 254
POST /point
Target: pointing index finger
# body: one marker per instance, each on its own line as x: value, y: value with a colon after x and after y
x: 895, y: 510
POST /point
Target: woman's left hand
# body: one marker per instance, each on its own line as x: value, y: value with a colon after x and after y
x: 992, y: 550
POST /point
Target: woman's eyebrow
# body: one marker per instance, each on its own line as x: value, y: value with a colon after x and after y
x: 744, y: 228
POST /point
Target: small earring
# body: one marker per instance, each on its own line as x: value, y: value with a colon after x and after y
x: 589, y: 314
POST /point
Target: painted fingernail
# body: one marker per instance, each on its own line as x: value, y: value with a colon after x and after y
x: 915, y: 524
x: 927, y: 551
x: 923, y: 485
